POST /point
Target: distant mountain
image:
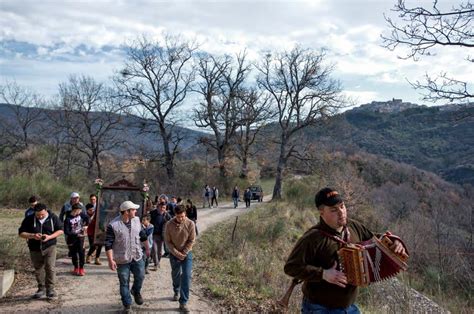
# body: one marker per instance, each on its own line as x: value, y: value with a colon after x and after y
x: 139, y: 135
x: 438, y: 139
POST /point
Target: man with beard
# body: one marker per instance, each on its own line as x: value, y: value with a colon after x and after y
x: 314, y: 257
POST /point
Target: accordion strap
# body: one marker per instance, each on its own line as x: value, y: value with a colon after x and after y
x: 342, y: 242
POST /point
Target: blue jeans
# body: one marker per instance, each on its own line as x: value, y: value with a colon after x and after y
x: 181, y: 275
x: 308, y: 307
x: 236, y: 201
x: 137, y: 268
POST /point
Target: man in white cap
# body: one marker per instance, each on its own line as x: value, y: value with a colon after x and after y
x: 124, y: 252
x: 66, y: 209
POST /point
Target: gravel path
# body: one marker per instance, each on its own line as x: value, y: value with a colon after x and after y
x: 98, y: 290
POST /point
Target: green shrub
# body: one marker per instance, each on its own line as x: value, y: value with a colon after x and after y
x: 15, y: 191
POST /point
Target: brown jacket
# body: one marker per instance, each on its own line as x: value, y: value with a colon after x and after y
x: 315, y: 252
x: 180, y: 237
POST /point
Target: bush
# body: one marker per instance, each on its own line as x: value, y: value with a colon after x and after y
x: 247, y: 273
x: 15, y: 191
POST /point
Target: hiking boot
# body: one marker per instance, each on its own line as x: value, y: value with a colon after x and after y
x: 88, y: 259
x: 184, y: 308
x: 154, y: 268
x: 175, y: 297
x: 76, y: 271
x: 137, y: 297
x: 39, y: 294
x: 147, y: 272
x: 127, y: 309
x: 51, y: 294
x: 81, y: 272
x: 97, y: 261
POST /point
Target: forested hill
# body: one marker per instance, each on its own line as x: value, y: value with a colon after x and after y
x: 437, y: 139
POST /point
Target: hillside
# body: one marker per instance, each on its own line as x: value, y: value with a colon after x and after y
x: 437, y: 139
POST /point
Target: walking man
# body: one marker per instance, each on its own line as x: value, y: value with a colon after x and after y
x: 235, y: 196
x: 215, y: 196
x: 124, y: 252
x: 67, y: 207
x: 180, y: 236
x: 314, y: 257
x: 247, y: 197
x: 41, y: 230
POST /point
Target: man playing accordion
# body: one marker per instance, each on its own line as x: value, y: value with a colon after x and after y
x: 314, y: 259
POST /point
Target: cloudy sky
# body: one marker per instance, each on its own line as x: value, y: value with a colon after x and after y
x: 43, y: 42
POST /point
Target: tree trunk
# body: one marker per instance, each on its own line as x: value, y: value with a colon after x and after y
x: 169, y: 158
x: 281, y: 167
x: 221, y: 159
x: 244, y: 170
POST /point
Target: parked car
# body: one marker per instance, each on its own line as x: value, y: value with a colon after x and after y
x: 257, y: 192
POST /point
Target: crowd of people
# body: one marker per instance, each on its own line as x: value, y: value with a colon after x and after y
x: 133, y: 246
x: 169, y: 229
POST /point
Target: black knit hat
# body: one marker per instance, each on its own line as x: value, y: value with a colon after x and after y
x: 328, y: 197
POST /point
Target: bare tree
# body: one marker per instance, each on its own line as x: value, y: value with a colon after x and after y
x: 254, y: 115
x: 17, y: 132
x: 221, y: 84
x: 421, y: 30
x: 302, y: 93
x: 156, y: 80
x: 89, y: 115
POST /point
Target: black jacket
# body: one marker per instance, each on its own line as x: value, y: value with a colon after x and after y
x: 31, y: 224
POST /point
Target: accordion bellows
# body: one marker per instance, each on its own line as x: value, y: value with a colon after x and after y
x: 370, y: 261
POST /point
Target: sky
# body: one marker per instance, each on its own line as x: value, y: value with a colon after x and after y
x: 43, y: 42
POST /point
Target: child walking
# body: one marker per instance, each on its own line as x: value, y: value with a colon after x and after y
x: 148, y: 227
x: 75, y: 227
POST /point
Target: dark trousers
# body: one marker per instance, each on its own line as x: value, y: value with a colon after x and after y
x: 157, y: 249
x: 44, y: 264
x: 212, y: 201
x: 92, y: 247
x: 247, y: 202
x: 77, y: 253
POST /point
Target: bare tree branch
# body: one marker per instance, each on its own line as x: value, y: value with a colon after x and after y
x: 156, y: 79
x: 302, y: 92
x: 421, y: 30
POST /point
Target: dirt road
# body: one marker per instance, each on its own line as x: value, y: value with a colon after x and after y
x: 98, y: 290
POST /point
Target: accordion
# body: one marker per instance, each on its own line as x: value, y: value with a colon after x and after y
x: 370, y: 261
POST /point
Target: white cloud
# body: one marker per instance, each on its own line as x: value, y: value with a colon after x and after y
x: 361, y: 97
x: 87, y: 35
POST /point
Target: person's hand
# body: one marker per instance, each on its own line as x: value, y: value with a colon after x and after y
x: 398, y: 248
x: 37, y: 236
x: 181, y: 256
x: 147, y: 252
x: 45, y: 237
x: 112, y: 265
x: 332, y: 275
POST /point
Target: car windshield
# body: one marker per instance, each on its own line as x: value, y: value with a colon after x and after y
x: 254, y: 188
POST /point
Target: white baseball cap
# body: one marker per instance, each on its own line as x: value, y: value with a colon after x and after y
x: 74, y: 194
x: 128, y: 205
